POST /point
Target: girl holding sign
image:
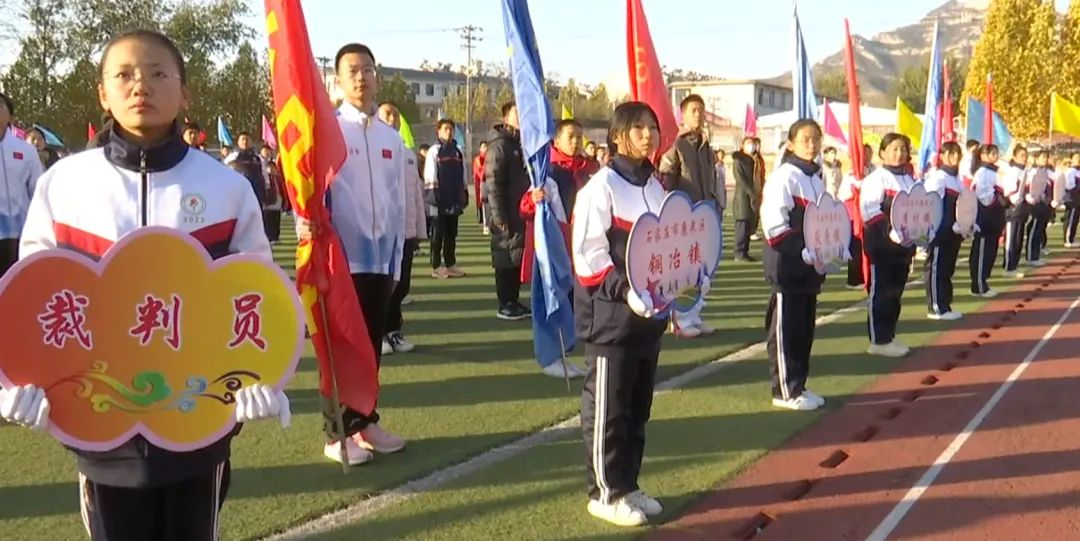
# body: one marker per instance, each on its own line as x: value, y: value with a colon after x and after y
x: 789, y: 267
x: 941, y: 261
x: 616, y: 323
x: 1017, y: 213
x: 138, y: 490
x: 990, y: 220
x: 889, y: 254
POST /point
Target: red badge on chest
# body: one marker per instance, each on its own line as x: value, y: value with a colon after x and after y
x: 18, y: 155
x: 386, y: 154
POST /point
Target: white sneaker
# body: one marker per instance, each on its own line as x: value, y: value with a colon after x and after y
x: 1046, y: 251
x: 892, y: 349
x: 619, y: 513
x: 755, y: 236
x: 355, y: 454
x: 1013, y: 274
x: 799, y: 403
x: 688, y: 332
x: 647, y: 504
x: 947, y: 316
x: 814, y: 397
x: 407, y: 301
x: 399, y: 343
x: 705, y: 328
x: 1037, y: 263
x: 387, y: 349
x: 555, y: 370
x: 989, y: 294
x: 896, y: 342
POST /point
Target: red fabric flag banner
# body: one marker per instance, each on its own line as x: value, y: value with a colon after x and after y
x: 988, y: 122
x: 311, y: 151
x: 855, y: 147
x: 946, y: 124
x: 749, y: 122
x: 646, y: 77
x: 90, y: 131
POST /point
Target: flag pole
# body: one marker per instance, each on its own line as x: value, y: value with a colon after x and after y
x: 1050, y: 131
x: 339, y: 409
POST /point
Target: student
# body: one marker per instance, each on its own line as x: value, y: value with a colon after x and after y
x: 1041, y: 213
x: 191, y: 134
x: 832, y: 172
x: 941, y: 261
x: 394, y: 341
x: 429, y: 213
x: 444, y: 189
x: 569, y: 168
x: 507, y: 182
x: 621, y: 337
x: 89, y: 201
x: 367, y: 204
x: 789, y: 267
x: 252, y: 165
x: 273, y: 204
x: 972, y: 147
x: 990, y: 221
x: 19, y: 171
x: 478, y: 181
x: 1017, y: 213
x: 890, y: 261
x: 1072, y: 201
x: 849, y: 194
x: 689, y: 166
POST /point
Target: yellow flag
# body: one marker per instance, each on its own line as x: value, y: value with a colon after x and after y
x: 908, y: 124
x: 566, y: 114
x: 1064, y: 116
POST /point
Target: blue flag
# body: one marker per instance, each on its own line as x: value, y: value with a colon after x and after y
x: 931, y: 117
x: 552, y: 283
x: 223, y: 134
x: 976, y: 118
x: 802, y: 80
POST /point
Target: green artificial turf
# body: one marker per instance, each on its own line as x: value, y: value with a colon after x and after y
x: 471, y: 385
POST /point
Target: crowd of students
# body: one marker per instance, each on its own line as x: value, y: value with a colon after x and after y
x: 386, y: 200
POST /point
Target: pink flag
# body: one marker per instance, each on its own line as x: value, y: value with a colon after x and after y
x: 749, y: 126
x: 268, y: 136
x: 832, y: 127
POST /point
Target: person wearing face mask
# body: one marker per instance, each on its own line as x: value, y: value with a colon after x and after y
x: 890, y: 259
x: 619, y: 330
x: 1017, y: 213
x: 941, y: 261
x: 747, y: 167
x: 689, y: 166
x: 789, y: 269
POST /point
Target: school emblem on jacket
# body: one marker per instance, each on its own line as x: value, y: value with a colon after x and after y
x: 194, y: 206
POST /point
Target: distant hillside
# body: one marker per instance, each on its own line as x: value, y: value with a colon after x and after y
x: 882, y: 59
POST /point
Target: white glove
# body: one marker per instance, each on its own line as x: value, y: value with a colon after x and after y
x: 259, y: 402
x: 895, y: 237
x: 1055, y: 204
x: 642, y: 306
x: 1030, y: 199
x: 978, y: 229
x: 25, y: 405
x: 808, y: 255
x: 956, y: 228
x: 706, y: 285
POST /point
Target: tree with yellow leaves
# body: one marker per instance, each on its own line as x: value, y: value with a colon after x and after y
x: 1069, y: 82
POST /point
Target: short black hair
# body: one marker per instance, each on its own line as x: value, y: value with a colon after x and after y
x: 191, y: 126
x: 444, y: 121
x: 8, y: 103
x: 482, y: 143
x: 623, y: 119
x: 973, y: 144
x: 506, y: 107
x: 153, y: 37
x: 388, y: 102
x: 352, y: 48
x: 243, y: 134
x: 565, y: 123
x: 827, y: 150
x: 593, y: 143
x: 692, y: 98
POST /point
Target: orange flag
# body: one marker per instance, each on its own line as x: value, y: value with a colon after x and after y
x: 312, y: 150
x: 646, y: 78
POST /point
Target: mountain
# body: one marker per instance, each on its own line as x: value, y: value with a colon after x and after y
x: 880, y: 60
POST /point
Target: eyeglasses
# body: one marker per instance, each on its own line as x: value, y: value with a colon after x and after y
x: 150, y: 76
x: 366, y: 72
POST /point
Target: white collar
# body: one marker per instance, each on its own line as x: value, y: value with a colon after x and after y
x: 350, y: 112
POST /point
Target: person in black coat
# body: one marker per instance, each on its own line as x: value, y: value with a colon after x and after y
x: 507, y: 181
x: 748, y: 169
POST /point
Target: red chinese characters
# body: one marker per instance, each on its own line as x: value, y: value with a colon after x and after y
x: 247, y: 325
x: 63, y: 318
x: 656, y: 264
x: 695, y: 254
x: 675, y: 260
x: 154, y: 315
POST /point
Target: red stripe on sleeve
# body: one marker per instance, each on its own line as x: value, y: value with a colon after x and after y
x: 218, y: 233
x: 620, y: 223
x: 595, y: 279
x: 80, y: 240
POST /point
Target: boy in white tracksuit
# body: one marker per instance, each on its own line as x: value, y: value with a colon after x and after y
x: 19, y: 171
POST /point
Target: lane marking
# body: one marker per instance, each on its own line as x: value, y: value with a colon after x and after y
x: 902, y: 508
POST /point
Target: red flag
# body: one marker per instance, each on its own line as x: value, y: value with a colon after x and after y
x: 312, y: 151
x: 947, y: 133
x: 90, y: 131
x: 749, y: 122
x: 988, y: 121
x: 855, y: 146
x: 646, y: 77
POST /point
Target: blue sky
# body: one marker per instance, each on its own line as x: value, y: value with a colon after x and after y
x: 585, y: 39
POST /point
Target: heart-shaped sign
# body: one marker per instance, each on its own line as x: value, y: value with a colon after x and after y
x: 153, y: 340
x: 967, y: 212
x: 827, y: 231
x: 670, y: 254
x: 916, y: 216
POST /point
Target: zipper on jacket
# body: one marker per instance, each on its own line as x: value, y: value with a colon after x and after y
x: 371, y: 184
x: 144, y: 189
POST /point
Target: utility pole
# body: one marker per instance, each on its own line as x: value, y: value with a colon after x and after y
x: 469, y: 40
x: 324, y: 61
